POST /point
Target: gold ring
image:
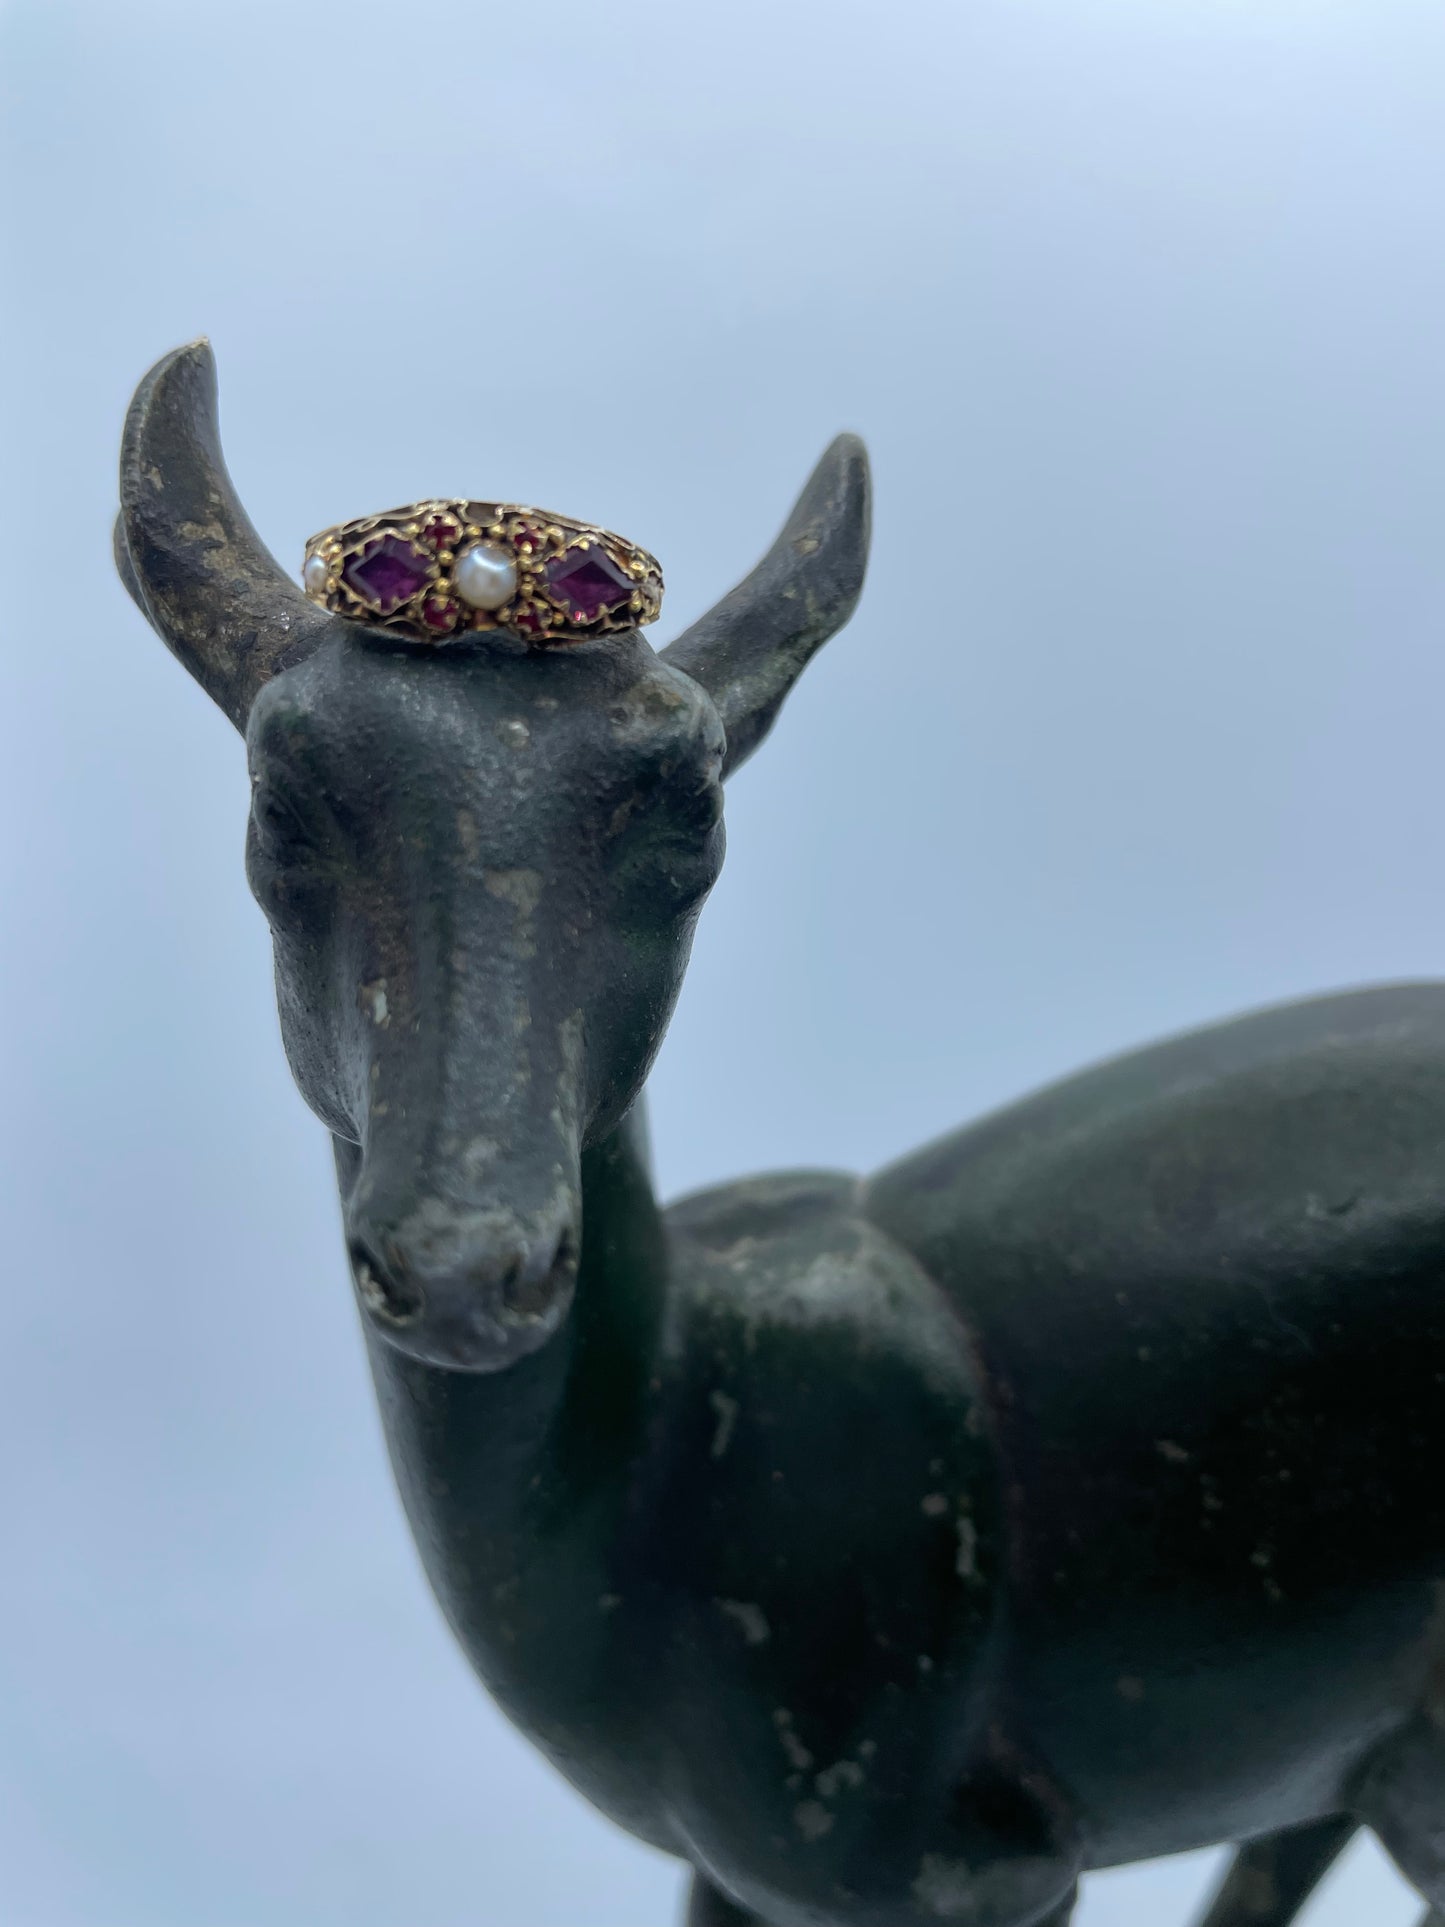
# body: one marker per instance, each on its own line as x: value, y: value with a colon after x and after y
x: 439, y: 570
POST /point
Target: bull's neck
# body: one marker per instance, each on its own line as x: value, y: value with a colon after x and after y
x: 502, y: 1471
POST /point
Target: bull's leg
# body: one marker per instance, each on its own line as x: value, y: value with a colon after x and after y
x: 1061, y: 1916
x: 706, y: 1907
x: 1400, y: 1796
x: 1270, y: 1879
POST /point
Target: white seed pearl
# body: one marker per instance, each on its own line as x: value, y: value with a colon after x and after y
x: 315, y: 573
x: 485, y: 576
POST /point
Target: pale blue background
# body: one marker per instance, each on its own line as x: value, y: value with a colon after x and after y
x: 1139, y: 303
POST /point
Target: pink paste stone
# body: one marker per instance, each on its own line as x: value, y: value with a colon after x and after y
x: 387, y: 572
x: 587, y: 583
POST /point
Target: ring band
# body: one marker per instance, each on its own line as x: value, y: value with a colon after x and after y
x: 444, y: 569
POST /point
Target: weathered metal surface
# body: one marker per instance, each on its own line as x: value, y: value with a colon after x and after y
x: 894, y: 1551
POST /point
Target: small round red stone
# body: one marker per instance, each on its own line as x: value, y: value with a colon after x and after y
x: 441, y: 532
x: 439, y: 612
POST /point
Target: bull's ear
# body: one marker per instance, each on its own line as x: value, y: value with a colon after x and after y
x: 749, y: 650
x: 186, y: 550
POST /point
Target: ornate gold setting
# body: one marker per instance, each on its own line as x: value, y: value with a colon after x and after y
x: 397, y: 571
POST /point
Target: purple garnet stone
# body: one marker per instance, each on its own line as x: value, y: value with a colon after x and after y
x: 587, y: 583
x: 387, y: 572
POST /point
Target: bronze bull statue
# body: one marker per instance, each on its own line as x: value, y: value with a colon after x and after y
x: 893, y: 1550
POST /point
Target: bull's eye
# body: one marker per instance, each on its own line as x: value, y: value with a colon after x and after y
x: 659, y: 877
x: 668, y: 853
x: 281, y: 831
x: 683, y: 870
x: 286, y: 851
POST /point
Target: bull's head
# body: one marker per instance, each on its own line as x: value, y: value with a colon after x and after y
x: 482, y: 864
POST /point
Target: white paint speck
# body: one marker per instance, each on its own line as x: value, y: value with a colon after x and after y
x: 749, y: 1618
x: 727, y: 1417
x: 812, y: 1819
x: 967, y: 1560
x: 798, y: 1754
x: 833, y: 1779
x: 945, y: 1888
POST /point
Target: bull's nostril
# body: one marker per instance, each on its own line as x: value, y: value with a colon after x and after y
x: 509, y: 1278
x: 529, y: 1283
x: 522, y: 1288
x: 385, y: 1290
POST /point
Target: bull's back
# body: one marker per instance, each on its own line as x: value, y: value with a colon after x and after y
x: 1207, y: 1281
